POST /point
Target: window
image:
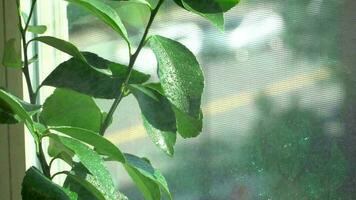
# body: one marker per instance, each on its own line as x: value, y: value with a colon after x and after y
x: 279, y: 101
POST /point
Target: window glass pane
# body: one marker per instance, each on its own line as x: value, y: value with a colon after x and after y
x: 279, y: 100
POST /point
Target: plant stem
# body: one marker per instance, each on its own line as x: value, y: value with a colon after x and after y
x: 30, y: 15
x: 133, y: 59
x: 25, y: 69
x: 51, y: 162
x: 41, y: 157
x: 40, y: 154
x: 59, y: 173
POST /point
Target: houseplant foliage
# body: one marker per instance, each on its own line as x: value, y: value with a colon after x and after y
x: 75, y: 125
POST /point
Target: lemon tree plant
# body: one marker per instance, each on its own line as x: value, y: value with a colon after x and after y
x: 75, y: 125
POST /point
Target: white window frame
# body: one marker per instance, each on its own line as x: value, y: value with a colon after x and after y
x: 17, y: 151
x: 53, y: 14
x: 12, y: 140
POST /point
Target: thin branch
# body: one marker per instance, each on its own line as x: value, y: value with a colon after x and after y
x: 51, y: 162
x: 59, y: 173
x: 42, y: 158
x: 133, y: 59
x: 33, y: 5
x: 40, y: 153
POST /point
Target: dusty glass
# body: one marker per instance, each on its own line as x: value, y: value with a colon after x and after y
x: 279, y: 103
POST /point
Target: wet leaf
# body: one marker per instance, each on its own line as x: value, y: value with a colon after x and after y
x: 86, y: 185
x: 181, y: 78
x: 7, y: 116
x: 211, y: 6
x: 8, y: 102
x: 158, y: 117
x: 36, y: 186
x: 144, y: 168
x: 213, y: 12
x: 149, y: 188
x: 101, y: 144
x: 94, y: 163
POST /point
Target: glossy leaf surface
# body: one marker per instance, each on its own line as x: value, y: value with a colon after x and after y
x: 158, y: 117
x: 105, y: 13
x: 8, y: 116
x: 181, y: 78
x: 84, y: 193
x: 209, y: 6
x: 87, y: 185
x: 144, y: 2
x: 188, y: 126
x: 8, y: 102
x: 36, y: 186
x: 101, y: 144
x: 94, y: 163
x: 58, y: 150
x: 149, y: 189
x: 68, y: 108
x: 215, y: 15
x: 144, y: 168
x: 180, y: 74
x: 61, y: 45
x: 88, y: 79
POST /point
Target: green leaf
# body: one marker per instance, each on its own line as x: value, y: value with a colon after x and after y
x: 144, y: 2
x: 84, y: 193
x: 12, y: 55
x: 7, y: 116
x: 39, y: 29
x: 86, y: 185
x: 57, y: 150
x: 101, y: 144
x: 144, y: 168
x: 188, y: 126
x: 180, y: 74
x: 163, y: 139
x: 148, y: 187
x: 61, y: 45
x: 215, y: 16
x: 36, y: 186
x: 94, y: 163
x: 84, y: 190
x: 69, y: 108
x: 71, y: 195
x: 81, y: 77
x: 8, y: 103
x: 118, y: 70
x: 209, y: 6
x: 105, y: 13
x: 31, y: 109
x: 158, y: 117
x: 217, y: 19
x: 181, y: 78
